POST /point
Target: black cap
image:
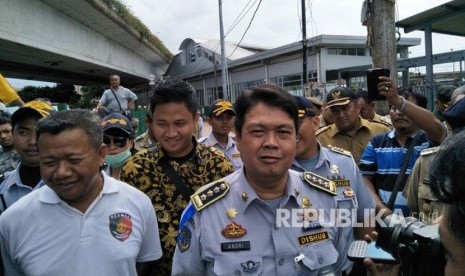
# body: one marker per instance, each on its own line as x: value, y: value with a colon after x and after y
x: 219, y: 107
x: 340, y: 96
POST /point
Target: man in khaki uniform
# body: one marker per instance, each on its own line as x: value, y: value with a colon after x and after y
x: 349, y: 131
x: 368, y: 110
x: 420, y: 200
x: 147, y: 139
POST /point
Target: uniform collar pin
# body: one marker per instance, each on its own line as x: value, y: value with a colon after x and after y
x: 244, y: 196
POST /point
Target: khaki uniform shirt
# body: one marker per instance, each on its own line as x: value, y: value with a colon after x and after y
x: 386, y: 120
x: 144, y: 141
x: 332, y: 136
x: 143, y: 171
x: 420, y: 200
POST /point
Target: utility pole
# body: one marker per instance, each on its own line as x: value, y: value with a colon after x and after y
x: 224, y: 69
x: 381, y: 39
x: 304, y: 47
x: 212, y: 58
x: 383, y: 36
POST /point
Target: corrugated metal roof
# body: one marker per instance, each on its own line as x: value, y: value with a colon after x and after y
x: 448, y: 18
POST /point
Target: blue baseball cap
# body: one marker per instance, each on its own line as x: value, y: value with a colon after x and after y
x: 117, y: 121
x: 306, y: 107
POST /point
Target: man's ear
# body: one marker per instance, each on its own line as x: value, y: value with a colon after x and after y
x: 102, y: 152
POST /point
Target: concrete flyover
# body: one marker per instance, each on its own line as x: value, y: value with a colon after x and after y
x: 74, y: 41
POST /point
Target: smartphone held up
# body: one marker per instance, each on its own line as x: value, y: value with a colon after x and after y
x: 372, y: 83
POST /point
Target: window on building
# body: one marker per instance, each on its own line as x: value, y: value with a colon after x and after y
x: 342, y: 51
x: 191, y: 57
x: 360, y: 52
x: 332, y: 51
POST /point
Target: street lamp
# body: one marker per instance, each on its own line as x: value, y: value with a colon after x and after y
x: 151, y: 78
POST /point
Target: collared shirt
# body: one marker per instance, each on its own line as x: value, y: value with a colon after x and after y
x: 144, y: 172
x: 382, y: 160
x: 230, y: 150
x: 9, y: 161
x: 352, y: 193
x: 270, y: 241
x: 12, y: 189
x: 356, y: 144
x: 51, y: 237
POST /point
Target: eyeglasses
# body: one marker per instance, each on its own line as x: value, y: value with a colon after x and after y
x: 118, y: 141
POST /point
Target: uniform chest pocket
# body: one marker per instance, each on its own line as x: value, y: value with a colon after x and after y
x: 347, y: 203
x: 319, y: 256
x: 424, y: 192
x: 245, y: 265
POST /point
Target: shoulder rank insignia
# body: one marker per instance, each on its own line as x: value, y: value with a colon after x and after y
x: 429, y: 151
x: 202, y: 139
x: 339, y: 150
x: 320, y: 182
x: 209, y: 193
x: 320, y: 130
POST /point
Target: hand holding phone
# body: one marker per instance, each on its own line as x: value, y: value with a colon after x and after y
x: 372, y: 83
x: 359, y: 250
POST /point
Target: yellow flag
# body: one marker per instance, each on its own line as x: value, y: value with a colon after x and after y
x: 7, y: 93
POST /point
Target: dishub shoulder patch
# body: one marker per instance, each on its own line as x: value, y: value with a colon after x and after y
x: 320, y: 182
x: 429, y: 151
x: 320, y: 130
x: 339, y: 150
x: 209, y: 194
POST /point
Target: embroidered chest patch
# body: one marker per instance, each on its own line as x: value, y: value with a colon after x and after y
x: 120, y: 226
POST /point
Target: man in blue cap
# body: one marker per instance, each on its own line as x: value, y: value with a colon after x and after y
x: 336, y: 164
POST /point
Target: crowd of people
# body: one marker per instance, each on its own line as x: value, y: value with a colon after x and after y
x: 265, y: 193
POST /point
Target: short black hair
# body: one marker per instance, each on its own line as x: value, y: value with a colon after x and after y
x: 5, y: 118
x: 174, y: 90
x: 71, y: 119
x: 410, y: 93
x: 268, y: 94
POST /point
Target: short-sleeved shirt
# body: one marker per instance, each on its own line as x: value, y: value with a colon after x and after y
x: 12, y: 189
x: 124, y: 96
x: 382, y: 160
x: 53, y: 238
x: 230, y: 150
x: 263, y: 240
x: 352, y: 193
x: 143, y: 171
x: 331, y: 135
x: 420, y: 200
x: 9, y: 161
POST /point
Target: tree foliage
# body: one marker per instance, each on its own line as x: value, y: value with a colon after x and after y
x: 124, y: 12
x: 61, y: 93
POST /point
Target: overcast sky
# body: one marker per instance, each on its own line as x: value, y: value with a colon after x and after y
x: 276, y: 23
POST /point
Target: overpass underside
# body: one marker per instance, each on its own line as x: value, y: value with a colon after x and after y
x: 73, y: 41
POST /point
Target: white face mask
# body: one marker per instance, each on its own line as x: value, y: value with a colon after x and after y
x: 118, y: 160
